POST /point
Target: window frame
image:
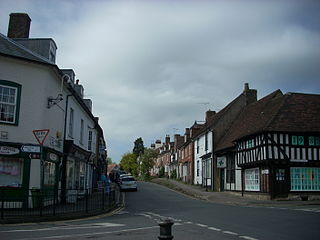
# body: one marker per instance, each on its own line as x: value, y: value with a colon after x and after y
x: 18, y: 88
x: 71, y: 123
x: 90, y: 138
x: 81, y: 131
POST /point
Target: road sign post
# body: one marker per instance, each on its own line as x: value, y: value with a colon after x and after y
x: 41, y: 135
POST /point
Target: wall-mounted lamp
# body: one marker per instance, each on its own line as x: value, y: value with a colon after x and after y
x: 53, y: 101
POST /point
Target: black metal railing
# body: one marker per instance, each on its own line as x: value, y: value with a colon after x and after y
x: 39, y: 205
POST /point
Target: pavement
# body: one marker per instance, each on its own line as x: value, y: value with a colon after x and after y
x: 235, y: 198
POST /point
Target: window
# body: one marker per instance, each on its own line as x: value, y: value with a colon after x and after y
x: 252, y: 179
x: 90, y: 141
x: 49, y: 170
x: 280, y: 174
x: 305, y: 179
x: 230, y: 170
x: 70, y: 174
x: 314, y: 141
x: 198, y: 168
x: 297, y: 140
x: 81, y: 131
x: 250, y: 143
x: 311, y: 141
x: 71, y: 118
x: 197, y: 145
x: 9, y: 102
x: 208, y: 168
x: 206, y: 141
x: 11, y: 171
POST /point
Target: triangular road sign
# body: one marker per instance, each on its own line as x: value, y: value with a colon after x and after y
x: 41, y: 135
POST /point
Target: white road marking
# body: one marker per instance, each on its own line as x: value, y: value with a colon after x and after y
x: 231, y: 233
x: 305, y: 209
x: 201, y: 225
x: 248, y: 238
x: 214, y: 229
x: 92, y: 234
x: 69, y: 227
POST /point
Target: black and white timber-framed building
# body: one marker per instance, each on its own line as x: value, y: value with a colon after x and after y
x: 275, y: 144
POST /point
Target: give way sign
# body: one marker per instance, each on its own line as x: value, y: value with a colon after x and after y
x: 41, y: 135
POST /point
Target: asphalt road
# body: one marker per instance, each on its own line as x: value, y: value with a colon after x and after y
x: 194, y: 219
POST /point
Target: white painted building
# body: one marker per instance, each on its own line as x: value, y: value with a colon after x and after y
x: 43, y: 115
x: 203, y: 157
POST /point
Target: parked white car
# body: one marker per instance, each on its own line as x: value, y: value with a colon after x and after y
x: 128, y: 183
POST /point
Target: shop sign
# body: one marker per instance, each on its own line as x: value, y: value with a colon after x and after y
x: 298, y: 160
x: 9, y: 150
x: 30, y: 148
x: 53, y: 157
x: 80, y: 156
x: 265, y: 171
x: 221, y: 162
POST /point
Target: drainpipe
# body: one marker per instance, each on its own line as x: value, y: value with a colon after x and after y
x: 212, y: 162
x: 64, y: 159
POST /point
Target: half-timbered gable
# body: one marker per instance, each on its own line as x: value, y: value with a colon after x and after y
x: 277, y: 144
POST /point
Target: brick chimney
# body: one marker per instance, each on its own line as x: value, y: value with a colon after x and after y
x: 209, y: 115
x: 250, y: 94
x: 19, y: 25
x: 187, y: 135
x: 167, y: 140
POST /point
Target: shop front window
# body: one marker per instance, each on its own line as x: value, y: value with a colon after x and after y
x: 49, y: 173
x: 82, y: 175
x: 305, y: 179
x: 252, y: 179
x: 70, y: 174
x: 11, y: 172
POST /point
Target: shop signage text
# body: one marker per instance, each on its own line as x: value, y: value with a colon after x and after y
x: 30, y: 148
x: 8, y: 150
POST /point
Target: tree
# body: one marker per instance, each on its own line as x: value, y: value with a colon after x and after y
x: 161, y: 172
x: 109, y: 160
x: 129, y: 163
x: 138, y: 148
x: 147, y: 162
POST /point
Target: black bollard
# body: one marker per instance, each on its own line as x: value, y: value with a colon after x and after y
x: 165, y: 230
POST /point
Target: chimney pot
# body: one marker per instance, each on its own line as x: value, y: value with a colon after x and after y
x: 246, y: 87
x: 19, y: 25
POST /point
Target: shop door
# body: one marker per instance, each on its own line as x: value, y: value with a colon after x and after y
x: 280, y: 182
x: 222, y: 179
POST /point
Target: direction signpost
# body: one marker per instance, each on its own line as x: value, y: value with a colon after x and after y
x: 41, y: 136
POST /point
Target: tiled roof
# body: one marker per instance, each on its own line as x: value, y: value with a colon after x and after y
x: 11, y: 48
x: 215, y: 122
x: 292, y: 112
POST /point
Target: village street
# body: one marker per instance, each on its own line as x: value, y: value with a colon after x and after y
x: 193, y: 219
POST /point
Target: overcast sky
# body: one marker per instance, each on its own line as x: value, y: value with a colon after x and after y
x: 149, y: 66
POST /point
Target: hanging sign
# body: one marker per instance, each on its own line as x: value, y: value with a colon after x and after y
x: 41, y: 135
x: 221, y: 162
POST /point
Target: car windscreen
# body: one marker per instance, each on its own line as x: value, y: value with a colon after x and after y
x: 127, y: 179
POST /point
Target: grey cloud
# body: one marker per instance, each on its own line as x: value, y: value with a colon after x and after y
x: 147, y: 64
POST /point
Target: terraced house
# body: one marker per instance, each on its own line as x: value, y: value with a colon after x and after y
x: 49, y: 138
x: 269, y: 147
